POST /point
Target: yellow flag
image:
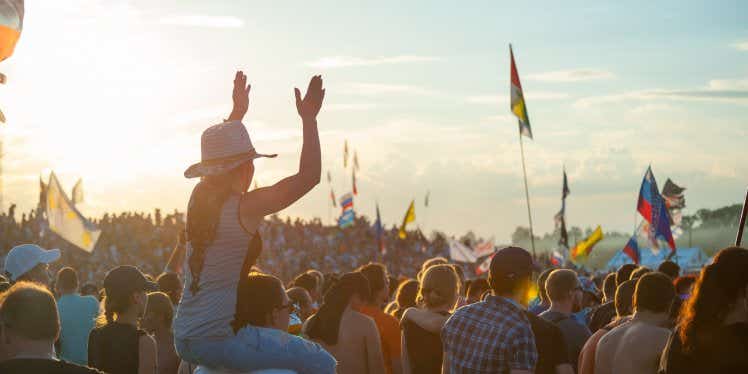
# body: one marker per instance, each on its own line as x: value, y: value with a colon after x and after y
x: 583, y: 249
x: 66, y: 221
x: 410, y: 216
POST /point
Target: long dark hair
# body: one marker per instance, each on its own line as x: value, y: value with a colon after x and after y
x: 325, y: 325
x: 260, y: 295
x: 114, y: 303
x: 715, y: 293
x: 203, y: 214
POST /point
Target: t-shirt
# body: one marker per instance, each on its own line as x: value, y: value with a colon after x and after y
x: 77, y: 316
x: 549, y: 341
x: 424, y: 348
x: 389, y: 334
x: 115, y: 348
x: 726, y: 355
x: 602, y: 316
x: 575, y: 334
x: 41, y: 365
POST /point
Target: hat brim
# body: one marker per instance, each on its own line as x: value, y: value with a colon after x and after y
x: 49, y: 256
x: 205, y: 168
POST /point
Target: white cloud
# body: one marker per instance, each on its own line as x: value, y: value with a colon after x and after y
x: 741, y: 46
x: 575, y: 75
x: 535, y: 95
x: 348, y: 107
x: 382, y: 88
x: 348, y: 61
x: 199, y: 20
x: 720, y: 90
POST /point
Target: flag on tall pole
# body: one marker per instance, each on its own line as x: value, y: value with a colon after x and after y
x: 355, y: 160
x: 329, y: 177
x: 355, y: 189
x: 332, y: 198
x: 460, y: 252
x: 518, y: 105
x: 66, y: 221
x: 519, y: 108
x: 632, y: 250
x: 77, y: 193
x: 347, y: 215
x: 410, y: 216
x: 380, y: 231
x: 345, y: 154
x: 426, y: 199
x: 560, y: 217
x: 653, y: 209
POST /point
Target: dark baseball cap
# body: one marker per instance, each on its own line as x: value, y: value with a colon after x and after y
x: 126, y: 279
x: 512, y: 262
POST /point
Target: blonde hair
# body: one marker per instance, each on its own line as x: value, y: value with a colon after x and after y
x: 428, y: 264
x: 439, y: 287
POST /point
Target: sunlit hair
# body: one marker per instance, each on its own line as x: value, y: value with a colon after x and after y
x: 325, y: 325
x: 715, y: 293
x: 257, y: 296
x: 203, y: 213
x: 429, y: 263
x: 67, y: 280
x: 541, y: 286
x: 159, y: 304
x: 624, y: 299
x: 28, y: 309
x: 439, y: 287
x: 406, y: 293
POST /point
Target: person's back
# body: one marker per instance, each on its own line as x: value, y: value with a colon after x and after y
x: 357, y: 339
x: 564, y: 290
x: 636, y: 346
x: 77, y: 316
x: 114, y: 348
x: 553, y: 357
x: 424, y: 348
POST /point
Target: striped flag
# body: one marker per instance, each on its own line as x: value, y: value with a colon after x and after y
x: 347, y: 215
x: 77, y: 193
x: 518, y: 105
x: 653, y: 208
x: 483, y: 248
x: 557, y: 259
x: 460, y: 252
x: 410, y: 216
x: 632, y: 250
x: 484, y: 266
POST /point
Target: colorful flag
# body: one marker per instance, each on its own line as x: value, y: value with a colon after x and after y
x: 652, y: 207
x: 557, y: 259
x: 65, y: 220
x: 410, y: 216
x: 518, y: 105
x: 675, y: 202
x: 380, y: 232
x: 632, y: 250
x: 484, y: 266
x: 78, y: 192
x: 11, y: 24
x: 345, y: 154
x: 426, y: 199
x: 355, y: 160
x: 347, y: 215
x: 355, y: 189
x: 582, y: 250
x: 460, y: 252
x: 332, y: 198
x: 484, y: 248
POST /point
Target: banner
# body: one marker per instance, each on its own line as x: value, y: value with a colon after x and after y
x: 66, y: 221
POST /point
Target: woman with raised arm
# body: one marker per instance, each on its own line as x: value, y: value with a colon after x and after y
x: 223, y: 244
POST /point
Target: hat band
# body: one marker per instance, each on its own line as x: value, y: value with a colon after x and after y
x: 235, y: 157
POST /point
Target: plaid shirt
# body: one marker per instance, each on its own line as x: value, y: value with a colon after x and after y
x: 492, y: 336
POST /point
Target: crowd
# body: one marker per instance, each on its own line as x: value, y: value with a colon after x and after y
x: 219, y: 304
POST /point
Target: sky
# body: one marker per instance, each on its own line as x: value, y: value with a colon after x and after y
x: 117, y: 92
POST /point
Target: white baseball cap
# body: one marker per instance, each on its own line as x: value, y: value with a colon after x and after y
x: 25, y: 257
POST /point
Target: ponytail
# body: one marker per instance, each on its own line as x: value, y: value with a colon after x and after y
x: 111, y: 306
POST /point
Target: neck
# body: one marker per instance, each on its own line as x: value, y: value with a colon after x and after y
x: 561, y: 307
x: 26, y: 348
x: 441, y: 308
x: 130, y: 317
x: 650, y: 317
x: 67, y: 292
x: 514, y: 297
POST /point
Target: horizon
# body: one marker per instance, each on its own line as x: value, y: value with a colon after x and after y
x: 610, y: 89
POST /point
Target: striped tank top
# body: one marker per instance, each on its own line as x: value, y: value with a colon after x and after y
x: 209, y: 312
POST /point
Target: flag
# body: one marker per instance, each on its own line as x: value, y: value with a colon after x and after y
x: 345, y: 154
x: 460, y: 252
x: 329, y: 177
x: 653, y: 208
x: 78, y: 192
x: 347, y: 215
x: 673, y: 195
x: 332, y: 198
x: 11, y: 24
x: 410, y: 216
x: 355, y: 190
x: 557, y: 259
x: 563, y: 239
x: 582, y: 250
x: 518, y: 106
x: 484, y: 266
x: 355, y: 160
x: 632, y: 250
x: 560, y: 217
x: 484, y: 248
x: 66, y: 221
x: 380, y: 231
x: 42, y: 194
x: 426, y: 199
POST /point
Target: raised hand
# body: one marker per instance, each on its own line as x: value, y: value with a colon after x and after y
x: 312, y: 102
x: 240, y: 96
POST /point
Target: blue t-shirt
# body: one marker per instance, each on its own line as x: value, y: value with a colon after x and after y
x: 77, y: 316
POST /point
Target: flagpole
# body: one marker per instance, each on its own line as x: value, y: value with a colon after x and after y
x: 527, y: 193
